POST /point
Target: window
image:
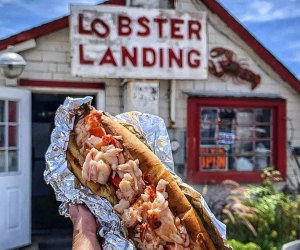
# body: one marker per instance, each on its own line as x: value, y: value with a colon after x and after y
x: 8, y: 136
x: 232, y: 138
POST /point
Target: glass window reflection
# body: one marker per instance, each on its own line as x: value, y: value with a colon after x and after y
x: 2, y: 111
x: 12, y: 160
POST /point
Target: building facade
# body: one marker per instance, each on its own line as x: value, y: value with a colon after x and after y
x: 232, y: 124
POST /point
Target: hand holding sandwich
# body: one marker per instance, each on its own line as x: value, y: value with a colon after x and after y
x: 114, y: 164
x: 84, y: 228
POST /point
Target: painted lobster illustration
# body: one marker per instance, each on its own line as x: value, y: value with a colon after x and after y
x: 225, y: 63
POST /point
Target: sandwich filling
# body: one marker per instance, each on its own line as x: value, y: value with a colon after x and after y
x: 142, y: 207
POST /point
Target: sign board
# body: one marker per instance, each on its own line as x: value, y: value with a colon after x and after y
x: 123, y: 42
x: 226, y: 138
x: 142, y: 95
x: 213, y: 157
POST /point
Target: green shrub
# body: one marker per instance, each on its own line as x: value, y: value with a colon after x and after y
x: 237, y: 245
x: 274, y: 218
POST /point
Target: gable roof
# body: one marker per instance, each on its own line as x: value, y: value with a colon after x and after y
x: 35, y: 32
x: 257, y: 47
x: 212, y: 5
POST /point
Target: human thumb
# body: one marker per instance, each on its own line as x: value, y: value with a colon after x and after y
x: 73, y: 211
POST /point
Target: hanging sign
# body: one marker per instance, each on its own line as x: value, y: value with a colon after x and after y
x: 122, y: 42
x: 213, y: 157
x: 142, y: 95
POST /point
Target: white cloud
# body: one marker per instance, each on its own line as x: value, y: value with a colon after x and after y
x: 263, y: 10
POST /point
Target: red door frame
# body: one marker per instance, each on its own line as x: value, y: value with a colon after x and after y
x: 279, y: 138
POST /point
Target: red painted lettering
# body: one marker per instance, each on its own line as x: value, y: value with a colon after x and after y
x: 124, y: 28
x: 132, y: 57
x: 194, y: 63
x: 108, y: 58
x: 194, y: 27
x: 160, y: 22
x: 176, y: 28
x: 98, y: 25
x: 82, y: 60
x: 177, y: 59
x: 81, y: 28
x: 161, y: 57
x: 147, y: 52
x: 144, y: 22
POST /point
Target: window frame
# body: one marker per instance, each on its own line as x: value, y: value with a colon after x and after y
x: 6, y: 148
x: 278, y: 107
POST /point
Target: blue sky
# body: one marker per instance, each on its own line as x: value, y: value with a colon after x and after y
x: 275, y: 23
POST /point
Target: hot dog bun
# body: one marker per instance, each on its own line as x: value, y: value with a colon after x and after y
x: 200, y: 228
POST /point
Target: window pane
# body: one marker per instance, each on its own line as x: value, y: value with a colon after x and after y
x: 263, y: 115
x: 12, y: 111
x: 262, y: 161
x: 245, y: 147
x: 2, y: 161
x: 208, y: 131
x: 209, y: 115
x: 12, y: 160
x: 225, y: 127
x: 12, y: 136
x: 244, y: 132
x: 231, y: 162
x: 226, y: 120
x: 263, y: 132
x: 2, y: 111
x: 263, y: 147
x: 245, y: 116
x: 262, y: 155
x: 244, y: 164
x: 2, y: 136
x: 208, y: 123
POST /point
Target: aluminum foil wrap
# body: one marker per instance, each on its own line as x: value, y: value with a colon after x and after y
x: 57, y: 174
x: 154, y: 130
x: 61, y: 179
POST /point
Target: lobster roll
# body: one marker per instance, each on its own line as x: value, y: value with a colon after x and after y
x: 110, y: 160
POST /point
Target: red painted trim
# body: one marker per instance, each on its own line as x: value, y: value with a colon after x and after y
x: 61, y: 84
x: 116, y: 2
x: 192, y: 138
x: 279, y: 138
x: 35, y: 32
x: 282, y: 137
x: 45, y: 29
x: 258, y: 48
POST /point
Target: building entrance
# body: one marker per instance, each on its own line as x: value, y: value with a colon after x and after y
x: 44, y: 205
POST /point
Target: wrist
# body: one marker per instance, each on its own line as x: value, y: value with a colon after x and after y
x: 85, y: 239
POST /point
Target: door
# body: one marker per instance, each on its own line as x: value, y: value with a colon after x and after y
x: 15, y: 168
x: 45, y: 216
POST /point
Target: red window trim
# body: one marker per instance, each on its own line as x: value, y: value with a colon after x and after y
x: 61, y: 84
x: 279, y: 138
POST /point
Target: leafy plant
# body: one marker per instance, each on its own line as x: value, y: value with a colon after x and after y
x: 277, y: 217
x: 257, y: 214
x: 237, y: 245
